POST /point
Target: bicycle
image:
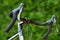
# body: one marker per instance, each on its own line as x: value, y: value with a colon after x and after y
x: 15, y: 15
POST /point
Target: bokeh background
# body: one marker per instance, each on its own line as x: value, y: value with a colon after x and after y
x: 38, y: 10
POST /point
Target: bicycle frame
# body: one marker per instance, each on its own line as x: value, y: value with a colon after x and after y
x: 21, y: 21
x: 19, y: 32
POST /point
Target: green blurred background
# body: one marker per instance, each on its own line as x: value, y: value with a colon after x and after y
x: 38, y: 10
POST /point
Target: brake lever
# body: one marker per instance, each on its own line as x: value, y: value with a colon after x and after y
x: 16, y: 11
x: 13, y: 15
x: 54, y: 20
x: 50, y: 22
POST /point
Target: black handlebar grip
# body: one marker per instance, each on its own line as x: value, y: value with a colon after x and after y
x: 48, y: 32
x: 12, y: 22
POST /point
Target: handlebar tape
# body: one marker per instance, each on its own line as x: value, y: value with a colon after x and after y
x: 12, y: 22
x: 48, y: 32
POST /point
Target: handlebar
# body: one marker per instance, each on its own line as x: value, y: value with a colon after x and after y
x: 13, y: 15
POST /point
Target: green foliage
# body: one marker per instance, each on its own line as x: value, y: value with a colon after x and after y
x: 38, y: 10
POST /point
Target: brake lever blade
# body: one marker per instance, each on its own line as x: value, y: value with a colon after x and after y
x: 56, y: 25
x: 19, y: 14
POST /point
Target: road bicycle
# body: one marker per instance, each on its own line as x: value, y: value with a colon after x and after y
x: 16, y: 15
